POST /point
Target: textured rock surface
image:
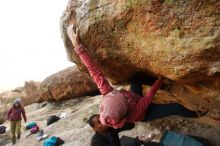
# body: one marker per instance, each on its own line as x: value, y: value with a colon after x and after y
x: 28, y: 94
x: 76, y: 132
x: 33, y: 91
x: 66, y: 84
x: 8, y: 97
x: 179, y: 39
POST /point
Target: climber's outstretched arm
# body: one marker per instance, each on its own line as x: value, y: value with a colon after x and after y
x: 94, y: 70
x: 144, y: 102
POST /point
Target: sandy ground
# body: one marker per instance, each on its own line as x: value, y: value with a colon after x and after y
x: 75, y: 131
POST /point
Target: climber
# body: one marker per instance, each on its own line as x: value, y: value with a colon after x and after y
x: 121, y: 106
x: 14, y: 115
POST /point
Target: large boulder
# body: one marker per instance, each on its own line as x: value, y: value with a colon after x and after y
x: 178, y: 39
x: 66, y: 84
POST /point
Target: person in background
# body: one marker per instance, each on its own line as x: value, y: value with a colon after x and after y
x: 121, y: 106
x: 14, y: 115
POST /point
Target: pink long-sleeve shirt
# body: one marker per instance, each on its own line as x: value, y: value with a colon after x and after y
x: 117, y: 107
x: 14, y: 114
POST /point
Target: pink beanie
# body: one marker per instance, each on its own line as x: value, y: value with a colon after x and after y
x: 113, y: 107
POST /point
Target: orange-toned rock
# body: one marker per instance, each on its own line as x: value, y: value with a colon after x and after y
x: 67, y: 84
x: 179, y: 40
x: 33, y: 92
x: 176, y: 39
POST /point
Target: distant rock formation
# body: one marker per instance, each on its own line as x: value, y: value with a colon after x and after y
x: 179, y: 40
x: 66, y: 84
x: 8, y: 97
x: 33, y: 91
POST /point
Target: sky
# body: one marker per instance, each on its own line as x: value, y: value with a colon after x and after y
x: 31, y: 47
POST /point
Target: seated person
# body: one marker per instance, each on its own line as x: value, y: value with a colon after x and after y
x: 108, y: 136
x: 104, y: 135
